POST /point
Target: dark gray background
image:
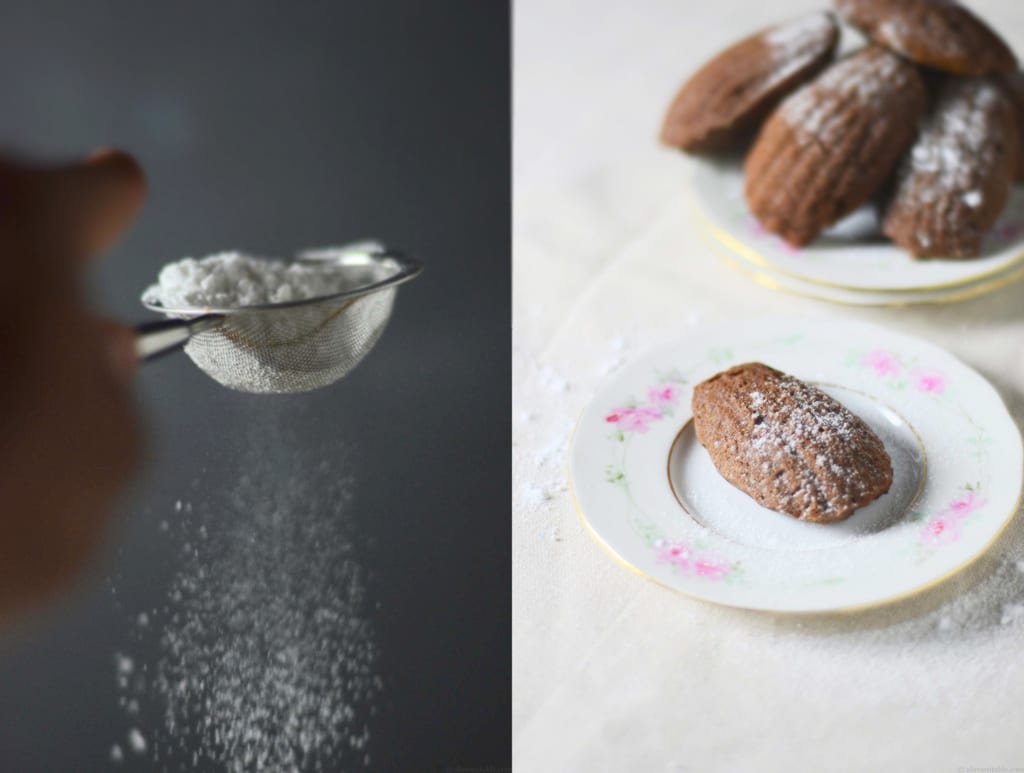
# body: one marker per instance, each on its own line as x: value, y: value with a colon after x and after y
x: 269, y: 126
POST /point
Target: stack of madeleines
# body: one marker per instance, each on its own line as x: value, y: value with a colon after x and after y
x: 926, y: 121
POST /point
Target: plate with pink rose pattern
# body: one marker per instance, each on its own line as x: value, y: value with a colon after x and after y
x: 853, y: 255
x: 650, y: 494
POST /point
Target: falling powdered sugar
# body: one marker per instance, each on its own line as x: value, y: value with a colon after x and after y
x: 267, y: 661
x: 136, y: 741
x: 270, y: 660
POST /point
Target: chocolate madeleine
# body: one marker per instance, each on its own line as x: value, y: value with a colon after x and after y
x: 955, y: 181
x: 829, y: 147
x: 935, y: 33
x: 788, y: 445
x: 730, y: 95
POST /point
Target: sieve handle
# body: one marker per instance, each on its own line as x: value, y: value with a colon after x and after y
x: 154, y: 339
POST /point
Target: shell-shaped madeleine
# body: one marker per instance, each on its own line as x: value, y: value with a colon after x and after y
x: 936, y: 33
x: 829, y: 147
x: 730, y: 95
x: 955, y: 181
x: 788, y: 445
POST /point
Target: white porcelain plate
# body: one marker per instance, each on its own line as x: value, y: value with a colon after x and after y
x: 852, y: 255
x: 650, y: 494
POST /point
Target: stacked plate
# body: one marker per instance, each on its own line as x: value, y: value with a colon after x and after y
x: 852, y: 263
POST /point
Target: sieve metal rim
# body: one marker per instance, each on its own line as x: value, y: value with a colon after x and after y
x: 408, y: 268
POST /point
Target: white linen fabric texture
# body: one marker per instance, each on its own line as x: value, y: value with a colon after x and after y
x: 612, y: 672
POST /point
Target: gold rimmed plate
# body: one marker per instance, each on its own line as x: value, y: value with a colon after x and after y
x: 650, y: 494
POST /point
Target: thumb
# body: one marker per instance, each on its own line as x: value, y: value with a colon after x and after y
x: 119, y: 345
x: 80, y: 209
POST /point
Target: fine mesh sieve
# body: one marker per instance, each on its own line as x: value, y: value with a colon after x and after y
x: 295, y: 346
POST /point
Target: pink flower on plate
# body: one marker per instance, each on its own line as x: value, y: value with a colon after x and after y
x: 941, y: 530
x: 633, y: 419
x: 928, y: 381
x: 664, y: 396
x: 681, y: 556
x: 712, y: 569
x: 677, y: 553
x: 966, y: 504
x: 881, y: 362
x: 945, y: 527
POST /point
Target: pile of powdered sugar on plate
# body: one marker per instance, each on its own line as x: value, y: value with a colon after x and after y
x: 229, y: 280
x: 266, y: 657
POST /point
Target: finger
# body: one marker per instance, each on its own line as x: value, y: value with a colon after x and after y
x: 101, y: 196
x: 78, y: 210
x: 119, y: 342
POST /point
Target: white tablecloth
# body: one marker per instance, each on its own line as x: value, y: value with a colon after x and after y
x: 611, y: 672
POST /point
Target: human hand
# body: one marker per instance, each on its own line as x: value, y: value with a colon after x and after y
x: 69, y: 436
